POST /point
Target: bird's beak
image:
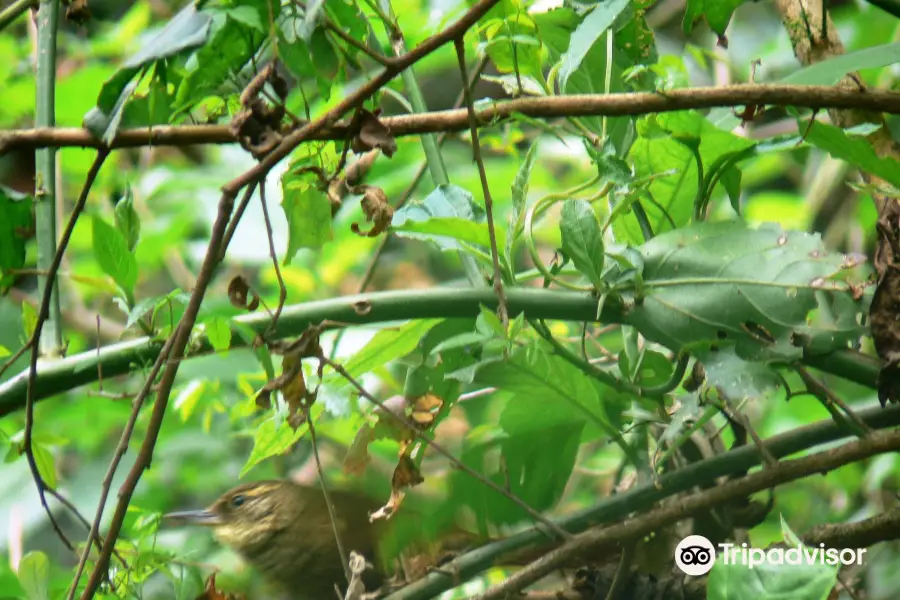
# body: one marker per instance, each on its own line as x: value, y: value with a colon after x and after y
x: 193, y: 517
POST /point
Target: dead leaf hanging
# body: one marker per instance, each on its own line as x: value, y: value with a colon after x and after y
x: 373, y: 134
x: 376, y: 208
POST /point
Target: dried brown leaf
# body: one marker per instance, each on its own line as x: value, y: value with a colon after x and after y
x: 376, y: 208
x: 373, y: 133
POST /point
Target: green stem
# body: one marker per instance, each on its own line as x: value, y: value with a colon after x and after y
x: 50, y: 343
x: 14, y: 11
x: 380, y: 307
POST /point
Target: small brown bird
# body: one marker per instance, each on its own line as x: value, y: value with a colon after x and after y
x: 284, y: 530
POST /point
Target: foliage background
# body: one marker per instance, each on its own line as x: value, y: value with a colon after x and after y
x: 212, y: 431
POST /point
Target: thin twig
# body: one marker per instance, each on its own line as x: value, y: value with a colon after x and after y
x: 559, y: 531
x: 331, y: 513
x: 43, y: 313
x: 821, y: 391
x: 282, y: 290
x: 236, y: 219
x: 176, y: 345
x: 488, y: 202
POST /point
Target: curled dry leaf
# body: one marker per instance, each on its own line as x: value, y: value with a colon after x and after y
x: 292, y: 382
x: 372, y: 134
x: 257, y: 127
x: 376, y: 208
x: 425, y: 409
x: 406, y: 475
x: 240, y: 295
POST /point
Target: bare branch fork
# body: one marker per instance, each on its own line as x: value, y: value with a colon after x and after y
x: 578, y: 105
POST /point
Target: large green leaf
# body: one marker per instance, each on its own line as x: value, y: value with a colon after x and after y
x: 851, y: 146
x: 16, y: 226
x: 550, y: 400
x: 308, y: 213
x: 185, y: 31
x: 34, y: 576
x: 727, y: 283
x: 231, y: 46
x: 586, y: 35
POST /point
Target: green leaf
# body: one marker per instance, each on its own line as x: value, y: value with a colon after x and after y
x: 532, y: 374
x: 448, y: 205
x: 727, y: 283
x: 832, y: 70
x: 586, y: 35
x: 656, y: 151
x: 218, y: 332
x: 142, y: 308
x: 771, y: 582
x: 16, y: 226
x: 513, y: 45
x: 738, y: 379
x: 188, y: 397
x: 582, y: 240
x: 519, y: 197
x: 717, y: 14
x: 388, y: 345
x: 232, y: 43
x: 34, y: 576
x: 29, y: 319
x: 185, y: 31
x: 46, y: 465
x: 112, y: 254
x: 127, y: 219
x: 446, y: 231
x: 308, y: 213
x: 850, y: 145
x: 311, y: 17
x: 550, y: 400
x: 271, y: 440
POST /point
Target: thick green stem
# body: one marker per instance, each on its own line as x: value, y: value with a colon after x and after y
x: 14, y: 11
x: 73, y: 371
x: 50, y: 343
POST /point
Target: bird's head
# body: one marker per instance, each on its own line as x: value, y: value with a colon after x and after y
x: 245, y: 517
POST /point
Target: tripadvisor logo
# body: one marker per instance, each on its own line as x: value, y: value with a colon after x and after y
x: 695, y: 555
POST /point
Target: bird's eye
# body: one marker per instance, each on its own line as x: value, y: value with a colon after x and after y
x: 237, y: 500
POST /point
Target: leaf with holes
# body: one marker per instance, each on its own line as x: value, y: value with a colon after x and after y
x: 726, y: 283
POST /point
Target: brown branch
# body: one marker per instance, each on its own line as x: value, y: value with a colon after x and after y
x: 578, y: 105
x: 178, y: 341
x: 43, y: 314
x: 860, y: 534
x: 783, y: 472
